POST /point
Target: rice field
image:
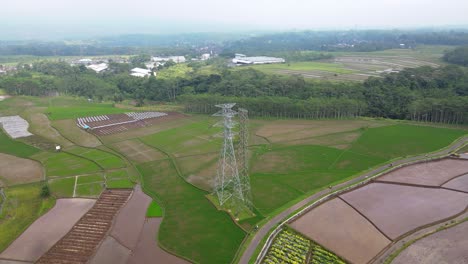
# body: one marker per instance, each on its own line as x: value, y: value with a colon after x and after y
x: 358, y: 66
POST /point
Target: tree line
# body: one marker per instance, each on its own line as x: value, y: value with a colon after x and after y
x: 458, y: 56
x: 351, y: 40
x: 422, y: 94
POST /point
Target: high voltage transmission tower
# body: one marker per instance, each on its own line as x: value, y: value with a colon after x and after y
x: 243, y: 155
x: 228, y: 186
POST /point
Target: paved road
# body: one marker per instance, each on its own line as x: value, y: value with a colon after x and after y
x: 263, y: 231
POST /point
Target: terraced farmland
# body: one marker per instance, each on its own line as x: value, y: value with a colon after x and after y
x: 80, y: 243
x: 354, y: 66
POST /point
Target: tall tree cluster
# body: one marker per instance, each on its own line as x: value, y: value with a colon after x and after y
x: 422, y: 94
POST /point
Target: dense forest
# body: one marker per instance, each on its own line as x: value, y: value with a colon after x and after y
x: 457, y: 56
x: 227, y: 44
x: 370, y: 40
x: 423, y: 94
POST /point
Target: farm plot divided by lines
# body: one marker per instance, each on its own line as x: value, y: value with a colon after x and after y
x: 81, y: 242
x: 38, y: 238
x: 404, y: 208
x: 447, y: 246
x: 347, y: 67
x: 337, y: 226
x: 132, y: 236
x: 360, y: 224
x: 423, y: 173
x: 109, y: 124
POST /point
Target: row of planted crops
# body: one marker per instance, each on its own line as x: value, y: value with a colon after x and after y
x: 293, y: 248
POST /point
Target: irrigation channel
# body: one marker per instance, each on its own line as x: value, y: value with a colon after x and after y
x: 2, y: 199
x: 283, y: 217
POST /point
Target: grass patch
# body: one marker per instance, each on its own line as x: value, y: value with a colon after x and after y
x: 194, y: 138
x: 118, y: 174
x: 103, y: 158
x: 15, y: 148
x: 204, y: 234
x: 84, y: 110
x: 62, y: 187
x: 303, y: 66
x: 229, y: 206
x: 269, y: 194
x: 22, y: 207
x: 72, y: 132
x: 89, y: 190
x: 90, y: 179
x: 40, y: 125
x: 119, y: 184
x: 64, y: 164
x: 154, y: 210
x: 401, y: 140
x: 199, y: 170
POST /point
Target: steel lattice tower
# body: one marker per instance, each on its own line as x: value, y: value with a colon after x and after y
x: 243, y: 159
x: 227, y: 184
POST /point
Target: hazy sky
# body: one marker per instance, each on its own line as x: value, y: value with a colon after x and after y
x: 165, y: 16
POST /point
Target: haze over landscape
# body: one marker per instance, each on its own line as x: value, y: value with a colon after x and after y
x: 64, y: 19
x: 234, y: 132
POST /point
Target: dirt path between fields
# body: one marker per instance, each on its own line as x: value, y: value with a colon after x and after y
x: 265, y: 229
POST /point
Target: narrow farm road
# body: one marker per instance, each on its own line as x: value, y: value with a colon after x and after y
x: 264, y: 230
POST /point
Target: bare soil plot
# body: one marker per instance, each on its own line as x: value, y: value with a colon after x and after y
x: 434, y: 173
x: 290, y: 130
x: 459, y: 183
x: 15, y: 126
x: 129, y: 222
x: 137, y: 151
x: 397, y: 209
x: 111, y: 252
x: 14, y: 170
x: 338, y: 227
x: 148, y: 251
x: 47, y: 230
x: 75, y: 134
x: 79, y: 245
x: 446, y: 246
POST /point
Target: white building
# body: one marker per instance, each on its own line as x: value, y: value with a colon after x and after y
x: 205, y: 56
x: 176, y: 59
x: 139, y: 72
x: 85, y: 61
x: 242, y: 59
x: 98, y: 67
x: 151, y: 65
